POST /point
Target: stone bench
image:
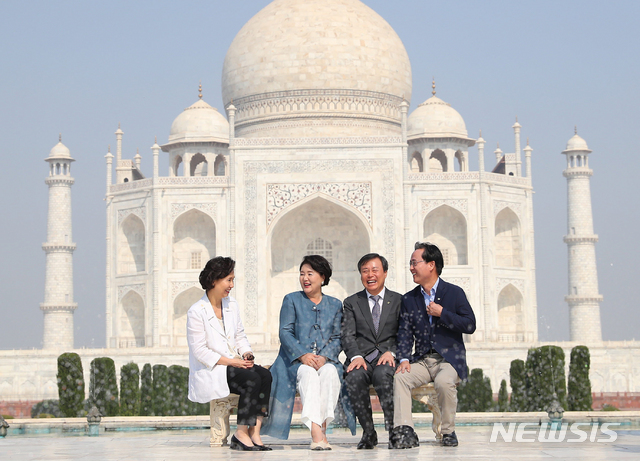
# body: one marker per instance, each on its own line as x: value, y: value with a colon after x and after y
x: 221, y: 410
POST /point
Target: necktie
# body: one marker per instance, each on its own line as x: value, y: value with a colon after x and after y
x: 376, y: 312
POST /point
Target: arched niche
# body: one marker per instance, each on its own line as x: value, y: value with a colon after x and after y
x: 510, y: 315
x: 194, y: 240
x: 459, y: 164
x: 131, y: 246
x: 219, y: 166
x: 508, y: 240
x: 181, y: 305
x: 300, y: 226
x: 416, y: 165
x: 438, y: 162
x: 198, y: 165
x: 177, y: 165
x: 446, y: 227
x: 131, y: 332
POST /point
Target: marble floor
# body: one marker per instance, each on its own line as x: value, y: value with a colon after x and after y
x: 193, y: 445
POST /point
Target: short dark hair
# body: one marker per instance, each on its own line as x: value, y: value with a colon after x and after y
x: 369, y: 256
x: 216, y: 268
x: 320, y: 265
x: 431, y: 253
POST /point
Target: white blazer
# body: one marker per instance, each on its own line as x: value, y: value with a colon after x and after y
x: 207, y: 343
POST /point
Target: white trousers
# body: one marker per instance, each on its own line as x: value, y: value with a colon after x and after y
x: 319, y: 392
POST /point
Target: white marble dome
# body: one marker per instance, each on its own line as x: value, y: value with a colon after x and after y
x: 317, y: 58
x: 577, y: 143
x: 435, y: 118
x: 59, y: 151
x: 199, y: 123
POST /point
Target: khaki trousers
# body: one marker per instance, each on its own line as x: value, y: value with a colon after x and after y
x: 432, y: 368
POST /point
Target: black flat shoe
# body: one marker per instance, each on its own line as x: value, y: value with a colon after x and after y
x: 262, y: 447
x: 238, y: 445
x: 368, y: 441
x: 450, y: 440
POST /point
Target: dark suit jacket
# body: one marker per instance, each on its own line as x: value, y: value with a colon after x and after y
x: 445, y: 334
x: 358, y: 335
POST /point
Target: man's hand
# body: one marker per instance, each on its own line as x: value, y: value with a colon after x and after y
x: 387, y: 359
x: 356, y: 363
x: 434, y: 309
x: 320, y: 361
x: 403, y: 367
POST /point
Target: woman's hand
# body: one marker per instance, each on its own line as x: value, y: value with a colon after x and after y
x: 309, y: 359
x: 236, y: 363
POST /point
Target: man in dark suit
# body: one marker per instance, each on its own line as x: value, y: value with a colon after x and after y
x: 434, y: 315
x: 369, y: 329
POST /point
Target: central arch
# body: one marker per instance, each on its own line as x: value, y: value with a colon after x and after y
x: 309, y: 225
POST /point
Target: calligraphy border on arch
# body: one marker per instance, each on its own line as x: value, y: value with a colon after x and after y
x: 431, y: 204
x: 179, y: 208
x: 462, y: 282
x: 139, y: 288
x: 503, y: 282
x: 251, y: 171
x: 140, y: 212
x: 282, y: 196
x: 179, y: 287
x: 499, y: 205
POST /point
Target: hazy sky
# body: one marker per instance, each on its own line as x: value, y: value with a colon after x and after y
x: 80, y: 67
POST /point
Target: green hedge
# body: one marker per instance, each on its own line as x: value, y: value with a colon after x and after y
x: 70, y: 385
x: 46, y: 409
x: 103, y: 387
x: 544, y: 377
x: 178, y: 378
x: 517, y: 380
x: 160, y: 396
x: 146, y: 391
x: 475, y: 394
x: 503, y: 397
x: 579, y: 396
x: 130, y: 390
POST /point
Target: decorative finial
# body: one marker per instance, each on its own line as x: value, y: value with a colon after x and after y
x: 137, y: 151
x: 155, y: 139
x: 59, y: 137
x: 498, y: 145
x: 109, y: 148
x: 575, y: 129
x: 200, y: 90
x: 433, y: 86
x: 118, y: 125
x: 516, y: 119
x: 527, y: 141
x: 480, y: 133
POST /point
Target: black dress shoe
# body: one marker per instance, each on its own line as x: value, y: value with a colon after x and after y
x: 238, y: 445
x: 402, y: 437
x: 368, y: 441
x: 450, y: 440
x: 262, y: 447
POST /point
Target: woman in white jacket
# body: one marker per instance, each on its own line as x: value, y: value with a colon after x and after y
x: 220, y: 357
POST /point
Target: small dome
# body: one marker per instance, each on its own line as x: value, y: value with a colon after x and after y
x: 199, y: 123
x: 435, y: 118
x: 59, y: 151
x: 577, y: 143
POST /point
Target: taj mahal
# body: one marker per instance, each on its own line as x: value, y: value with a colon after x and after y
x: 319, y: 149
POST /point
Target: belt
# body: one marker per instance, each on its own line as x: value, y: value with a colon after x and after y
x: 430, y: 352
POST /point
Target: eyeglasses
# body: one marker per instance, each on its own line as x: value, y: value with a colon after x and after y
x: 414, y: 263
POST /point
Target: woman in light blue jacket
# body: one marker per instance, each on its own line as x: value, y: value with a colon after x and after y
x: 308, y: 356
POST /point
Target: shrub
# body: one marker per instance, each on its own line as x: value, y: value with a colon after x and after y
x: 129, y: 390
x: 518, y: 386
x: 579, y: 385
x: 50, y: 408
x: 103, y: 387
x: 178, y: 378
x: 544, y: 377
x: 503, y: 397
x: 146, y: 391
x: 70, y: 384
x: 609, y: 407
x: 475, y: 394
x: 160, y: 395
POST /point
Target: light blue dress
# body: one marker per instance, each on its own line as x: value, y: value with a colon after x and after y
x: 303, y: 325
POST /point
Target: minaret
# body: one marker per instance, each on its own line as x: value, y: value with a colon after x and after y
x: 516, y: 131
x: 583, y: 298
x: 58, y: 305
